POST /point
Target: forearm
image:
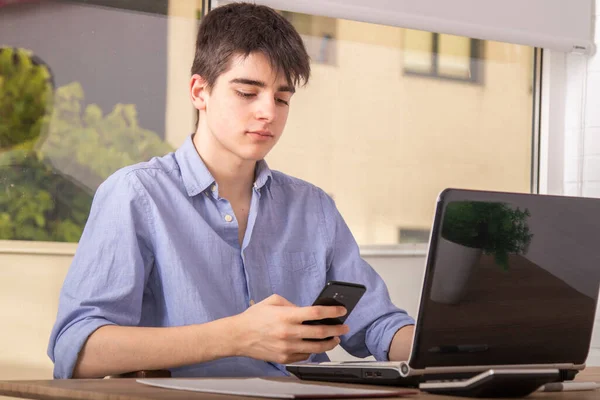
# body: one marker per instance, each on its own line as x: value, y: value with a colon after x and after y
x: 114, y: 349
x: 402, y: 344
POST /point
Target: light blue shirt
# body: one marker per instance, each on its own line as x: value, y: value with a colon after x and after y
x: 161, y: 249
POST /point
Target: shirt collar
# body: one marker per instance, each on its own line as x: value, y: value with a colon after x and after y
x: 196, y: 176
x: 262, y: 174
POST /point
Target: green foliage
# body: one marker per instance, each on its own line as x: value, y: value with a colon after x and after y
x: 494, y: 227
x: 52, y: 163
x: 25, y: 97
x: 36, y: 203
x: 90, y: 146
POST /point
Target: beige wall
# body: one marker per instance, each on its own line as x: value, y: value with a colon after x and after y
x: 385, y: 144
x: 182, y: 28
x: 31, y: 275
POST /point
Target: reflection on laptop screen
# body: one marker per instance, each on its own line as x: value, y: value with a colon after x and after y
x: 514, y: 280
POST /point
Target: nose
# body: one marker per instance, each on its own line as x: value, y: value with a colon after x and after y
x: 266, y: 109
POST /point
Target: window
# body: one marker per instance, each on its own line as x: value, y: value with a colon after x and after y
x: 379, y: 141
x: 385, y: 144
x: 318, y: 33
x: 76, y: 105
x: 407, y: 235
x: 442, y: 56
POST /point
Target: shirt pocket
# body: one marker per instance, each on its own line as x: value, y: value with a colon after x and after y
x: 295, y: 260
x: 295, y: 275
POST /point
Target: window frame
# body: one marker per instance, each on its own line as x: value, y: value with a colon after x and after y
x: 552, y: 112
x: 159, y: 7
x: 475, y: 54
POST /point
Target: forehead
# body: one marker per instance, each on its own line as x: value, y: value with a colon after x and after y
x: 255, y: 66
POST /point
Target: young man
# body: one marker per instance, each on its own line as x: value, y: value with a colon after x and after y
x: 205, y: 261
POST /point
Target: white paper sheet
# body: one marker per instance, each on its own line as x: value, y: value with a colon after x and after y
x: 258, y: 387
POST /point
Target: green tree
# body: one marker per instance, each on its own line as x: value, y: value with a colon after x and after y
x: 494, y: 227
x: 25, y: 96
x: 90, y: 146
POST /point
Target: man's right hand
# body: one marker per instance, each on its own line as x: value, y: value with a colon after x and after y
x: 272, y: 330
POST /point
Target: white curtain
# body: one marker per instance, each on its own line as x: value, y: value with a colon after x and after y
x: 561, y: 25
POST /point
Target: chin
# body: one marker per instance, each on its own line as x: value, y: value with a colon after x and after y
x: 256, y: 157
x: 254, y: 154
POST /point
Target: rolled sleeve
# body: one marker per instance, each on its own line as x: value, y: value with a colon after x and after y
x: 69, y: 344
x: 105, y: 283
x: 381, y: 332
x: 375, y: 320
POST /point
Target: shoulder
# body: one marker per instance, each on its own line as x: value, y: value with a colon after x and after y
x: 293, y: 189
x: 143, y: 176
x: 287, y: 182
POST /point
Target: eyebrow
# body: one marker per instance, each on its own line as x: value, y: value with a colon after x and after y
x: 260, y: 84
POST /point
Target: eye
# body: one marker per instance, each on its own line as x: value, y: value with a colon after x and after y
x: 282, y: 101
x: 245, y: 95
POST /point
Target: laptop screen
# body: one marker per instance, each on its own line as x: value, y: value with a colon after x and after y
x: 512, y: 279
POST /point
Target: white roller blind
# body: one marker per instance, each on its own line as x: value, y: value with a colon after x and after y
x: 562, y: 25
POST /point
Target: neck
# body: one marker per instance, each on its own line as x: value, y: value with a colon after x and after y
x: 235, y: 176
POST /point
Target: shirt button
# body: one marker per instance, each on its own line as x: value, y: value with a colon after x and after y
x: 228, y: 218
x: 251, y: 302
x: 213, y: 188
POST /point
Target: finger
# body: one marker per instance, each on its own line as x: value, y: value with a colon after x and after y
x: 320, y: 331
x: 318, y: 347
x: 312, y: 313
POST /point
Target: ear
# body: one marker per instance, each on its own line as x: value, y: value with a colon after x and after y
x: 199, y: 92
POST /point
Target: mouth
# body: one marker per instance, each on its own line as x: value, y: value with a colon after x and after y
x: 261, y: 133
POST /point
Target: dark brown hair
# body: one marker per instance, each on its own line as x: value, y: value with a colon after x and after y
x: 243, y: 28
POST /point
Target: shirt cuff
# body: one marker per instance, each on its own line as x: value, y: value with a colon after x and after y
x: 380, y: 337
x: 70, y: 343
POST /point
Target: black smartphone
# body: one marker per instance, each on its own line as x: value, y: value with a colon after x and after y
x: 336, y: 293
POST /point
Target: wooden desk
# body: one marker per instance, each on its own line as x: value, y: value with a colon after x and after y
x: 129, y: 389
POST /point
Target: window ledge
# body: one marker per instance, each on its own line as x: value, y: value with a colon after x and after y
x: 399, y: 250
x: 37, y: 248
x: 68, y: 249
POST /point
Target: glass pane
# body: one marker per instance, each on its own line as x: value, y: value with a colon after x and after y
x: 454, y: 56
x: 417, y: 51
x: 83, y: 92
x: 384, y: 144
x: 318, y: 33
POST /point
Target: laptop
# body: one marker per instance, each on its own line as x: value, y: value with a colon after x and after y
x: 511, y: 281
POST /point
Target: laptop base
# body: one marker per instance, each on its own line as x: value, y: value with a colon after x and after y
x: 387, y: 377
x: 494, y: 383
x: 510, y: 382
